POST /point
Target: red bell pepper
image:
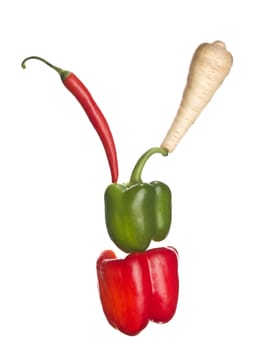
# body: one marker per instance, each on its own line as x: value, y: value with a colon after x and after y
x: 142, y: 287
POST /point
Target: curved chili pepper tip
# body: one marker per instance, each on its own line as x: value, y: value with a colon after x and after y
x: 63, y: 73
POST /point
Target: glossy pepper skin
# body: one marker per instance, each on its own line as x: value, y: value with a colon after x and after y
x: 137, y: 213
x: 96, y: 117
x: 142, y: 287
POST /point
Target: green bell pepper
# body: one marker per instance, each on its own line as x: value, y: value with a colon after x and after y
x: 138, y: 212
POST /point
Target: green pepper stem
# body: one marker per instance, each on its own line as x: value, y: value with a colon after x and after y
x: 137, y: 171
x: 63, y: 73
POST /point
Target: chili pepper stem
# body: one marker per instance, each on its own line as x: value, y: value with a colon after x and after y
x: 137, y: 171
x: 63, y: 73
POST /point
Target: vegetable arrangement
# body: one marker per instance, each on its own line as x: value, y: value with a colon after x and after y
x: 144, y: 286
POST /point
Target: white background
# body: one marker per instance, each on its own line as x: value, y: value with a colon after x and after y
x: 134, y: 57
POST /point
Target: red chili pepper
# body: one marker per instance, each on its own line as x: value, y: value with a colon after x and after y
x: 142, y: 287
x: 96, y: 117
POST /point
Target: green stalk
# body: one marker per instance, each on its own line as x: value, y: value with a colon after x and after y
x: 63, y: 73
x: 136, y: 176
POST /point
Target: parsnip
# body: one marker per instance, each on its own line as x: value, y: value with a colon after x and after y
x: 209, y: 66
